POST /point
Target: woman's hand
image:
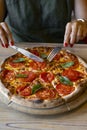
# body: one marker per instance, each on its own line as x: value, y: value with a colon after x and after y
x: 74, y: 32
x: 5, y: 35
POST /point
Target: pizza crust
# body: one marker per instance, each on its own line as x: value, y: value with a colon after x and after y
x: 37, y: 103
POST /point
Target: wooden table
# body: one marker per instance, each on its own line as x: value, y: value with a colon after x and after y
x: 14, y: 120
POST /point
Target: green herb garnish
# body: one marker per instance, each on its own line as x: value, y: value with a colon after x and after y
x: 65, y: 80
x: 21, y: 76
x: 36, y: 88
x: 43, y: 55
x: 67, y: 64
x: 19, y: 60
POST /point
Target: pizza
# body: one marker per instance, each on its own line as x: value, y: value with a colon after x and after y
x: 43, y: 84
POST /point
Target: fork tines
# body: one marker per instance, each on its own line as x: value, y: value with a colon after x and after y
x: 53, y: 53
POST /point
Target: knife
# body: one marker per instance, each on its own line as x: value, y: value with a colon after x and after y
x: 27, y: 53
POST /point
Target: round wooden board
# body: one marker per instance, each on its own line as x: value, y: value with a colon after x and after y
x: 42, y: 111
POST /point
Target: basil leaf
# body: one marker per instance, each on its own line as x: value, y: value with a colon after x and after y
x: 19, y: 60
x: 43, y: 55
x: 36, y: 88
x: 67, y: 64
x: 21, y: 76
x: 65, y: 80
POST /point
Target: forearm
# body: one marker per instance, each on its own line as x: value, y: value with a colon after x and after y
x: 80, y: 9
x: 2, y: 10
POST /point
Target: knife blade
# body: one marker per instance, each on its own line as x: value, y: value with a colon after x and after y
x: 27, y: 53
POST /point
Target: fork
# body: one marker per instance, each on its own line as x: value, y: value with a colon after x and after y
x: 53, y: 53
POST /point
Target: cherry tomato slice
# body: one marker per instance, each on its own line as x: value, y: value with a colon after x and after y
x: 64, y: 89
x: 46, y: 93
x: 73, y: 75
x: 9, y: 75
x: 20, y: 88
x: 26, y: 92
x: 33, y: 65
x: 4, y: 72
x: 57, y: 57
x: 47, y: 76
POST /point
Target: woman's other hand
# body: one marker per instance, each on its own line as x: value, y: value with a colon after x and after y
x: 5, y: 35
x: 75, y: 31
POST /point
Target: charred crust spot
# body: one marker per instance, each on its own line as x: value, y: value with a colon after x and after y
x: 38, y: 101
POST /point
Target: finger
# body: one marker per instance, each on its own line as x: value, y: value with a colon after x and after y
x: 3, y: 37
x: 84, y: 33
x: 73, y: 33
x: 79, y: 34
x: 67, y: 34
x: 9, y: 34
x: 1, y: 43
